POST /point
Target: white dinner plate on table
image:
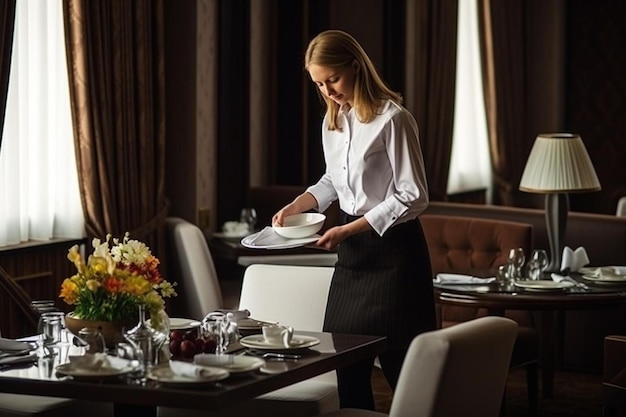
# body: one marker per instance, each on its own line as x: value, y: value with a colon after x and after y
x: 181, y: 323
x: 257, y: 341
x: 164, y: 375
x: 605, y: 275
x: 235, y: 364
x: 269, y: 239
x: 69, y: 369
x: 544, y: 285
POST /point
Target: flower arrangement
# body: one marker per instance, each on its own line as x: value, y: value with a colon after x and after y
x: 115, y: 281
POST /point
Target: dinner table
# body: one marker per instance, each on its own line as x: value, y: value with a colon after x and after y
x: 41, y: 377
x: 544, y: 297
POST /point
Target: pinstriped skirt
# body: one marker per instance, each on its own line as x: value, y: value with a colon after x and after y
x: 382, y: 285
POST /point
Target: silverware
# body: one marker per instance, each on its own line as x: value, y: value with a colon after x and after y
x: 273, y: 355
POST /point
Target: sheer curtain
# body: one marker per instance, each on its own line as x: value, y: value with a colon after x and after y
x: 470, y: 165
x: 39, y: 196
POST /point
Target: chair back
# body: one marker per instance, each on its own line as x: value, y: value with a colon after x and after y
x: 621, y: 207
x: 457, y: 371
x: 290, y: 294
x: 192, y: 265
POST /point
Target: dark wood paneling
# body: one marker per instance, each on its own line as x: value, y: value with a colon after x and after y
x: 39, y: 268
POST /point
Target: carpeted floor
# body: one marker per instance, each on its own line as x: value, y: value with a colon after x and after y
x: 575, y: 395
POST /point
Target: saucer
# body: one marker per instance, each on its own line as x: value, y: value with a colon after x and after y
x: 544, y: 285
x: 164, y: 375
x: 257, y: 341
x: 232, y: 363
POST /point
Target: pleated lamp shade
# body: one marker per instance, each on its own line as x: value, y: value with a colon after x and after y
x: 559, y: 163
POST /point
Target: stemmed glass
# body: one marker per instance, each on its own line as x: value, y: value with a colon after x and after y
x: 516, y: 262
x: 248, y: 216
x: 537, y: 264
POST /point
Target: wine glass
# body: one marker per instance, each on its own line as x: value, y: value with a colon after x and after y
x: 537, y: 264
x: 248, y: 216
x: 516, y: 262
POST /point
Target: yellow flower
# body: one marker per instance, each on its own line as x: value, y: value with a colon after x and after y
x: 115, y: 280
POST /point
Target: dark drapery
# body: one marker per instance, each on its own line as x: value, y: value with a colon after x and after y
x: 430, y: 83
x: 117, y: 88
x: 502, y: 38
x: 7, y: 22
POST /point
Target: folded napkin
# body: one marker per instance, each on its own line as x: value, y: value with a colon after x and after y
x: 605, y: 271
x: 96, y: 361
x: 10, y: 345
x: 190, y: 370
x: 17, y: 359
x: 236, y: 314
x: 561, y: 278
x: 461, y: 279
x: 573, y: 260
x: 266, y: 237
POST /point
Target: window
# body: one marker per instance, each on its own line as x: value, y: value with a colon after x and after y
x: 39, y: 196
x: 470, y: 163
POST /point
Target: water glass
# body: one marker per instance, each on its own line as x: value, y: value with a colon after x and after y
x: 49, y: 328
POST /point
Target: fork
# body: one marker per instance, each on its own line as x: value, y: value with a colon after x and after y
x: 272, y: 355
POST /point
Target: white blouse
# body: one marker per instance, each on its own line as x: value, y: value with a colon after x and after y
x: 374, y: 169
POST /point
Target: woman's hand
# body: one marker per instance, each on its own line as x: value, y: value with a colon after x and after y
x: 302, y: 203
x: 335, y: 235
x: 288, y: 210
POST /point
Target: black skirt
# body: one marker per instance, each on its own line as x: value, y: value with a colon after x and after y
x: 382, y: 285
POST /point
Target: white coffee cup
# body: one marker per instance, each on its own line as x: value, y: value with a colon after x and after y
x: 278, y: 335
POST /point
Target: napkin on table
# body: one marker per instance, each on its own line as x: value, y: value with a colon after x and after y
x: 190, y: 369
x: 461, y: 279
x: 10, y: 345
x: 16, y: 360
x: 96, y: 361
x: 573, y: 260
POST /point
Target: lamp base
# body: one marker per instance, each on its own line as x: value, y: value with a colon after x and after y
x: 557, y: 208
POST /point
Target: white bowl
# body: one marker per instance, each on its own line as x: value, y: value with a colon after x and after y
x: 301, y: 225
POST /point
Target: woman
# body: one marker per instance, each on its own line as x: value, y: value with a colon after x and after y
x: 382, y: 284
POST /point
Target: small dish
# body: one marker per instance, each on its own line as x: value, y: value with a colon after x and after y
x: 544, y: 285
x: 301, y: 225
x: 234, y: 364
x: 164, y: 375
x: 124, y: 367
x: 267, y: 238
x: 257, y: 341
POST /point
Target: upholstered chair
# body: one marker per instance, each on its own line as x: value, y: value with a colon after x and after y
x: 191, y: 265
x: 457, y: 371
x: 295, y: 296
x: 478, y: 246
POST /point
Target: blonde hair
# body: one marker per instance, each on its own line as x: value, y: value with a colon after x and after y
x: 337, y: 49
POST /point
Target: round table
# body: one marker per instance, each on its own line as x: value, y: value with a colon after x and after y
x: 496, y: 299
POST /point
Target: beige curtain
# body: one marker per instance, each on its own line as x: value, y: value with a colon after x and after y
x: 7, y: 21
x: 117, y: 88
x: 431, y: 73
x: 502, y: 40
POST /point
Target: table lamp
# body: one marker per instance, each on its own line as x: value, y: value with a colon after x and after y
x: 558, y: 164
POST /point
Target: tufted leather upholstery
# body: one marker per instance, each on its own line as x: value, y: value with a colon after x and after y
x: 478, y: 246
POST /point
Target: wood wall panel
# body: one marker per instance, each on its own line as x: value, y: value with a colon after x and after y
x: 39, y: 268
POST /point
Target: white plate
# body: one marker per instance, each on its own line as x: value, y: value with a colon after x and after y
x: 269, y: 239
x: 257, y: 341
x: 180, y: 323
x: 606, y: 279
x: 86, y: 373
x: 163, y: 374
x: 232, y: 363
x: 606, y: 274
x: 544, y: 285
